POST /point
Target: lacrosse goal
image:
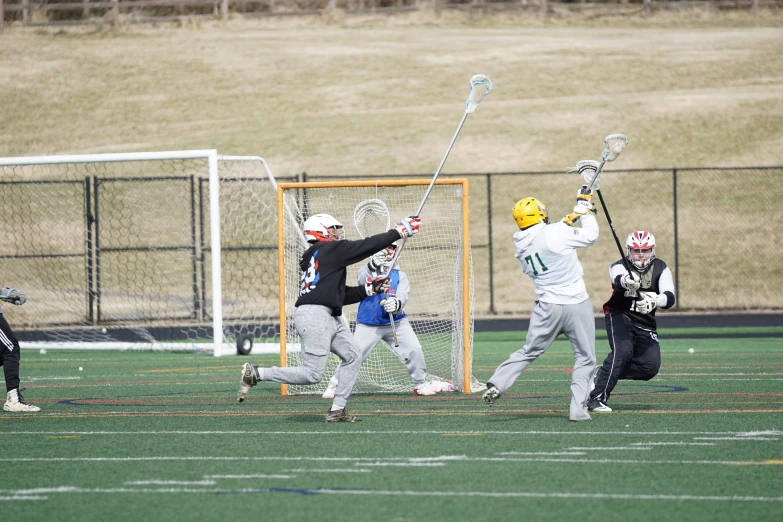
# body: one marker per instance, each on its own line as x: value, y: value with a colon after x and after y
x: 151, y: 251
x: 437, y: 262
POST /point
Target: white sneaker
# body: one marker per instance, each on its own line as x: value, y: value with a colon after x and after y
x: 15, y: 403
x: 424, y: 389
x: 329, y: 393
x: 443, y: 386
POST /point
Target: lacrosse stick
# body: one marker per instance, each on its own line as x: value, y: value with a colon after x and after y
x: 615, y: 143
x: 480, y: 86
x: 371, y: 217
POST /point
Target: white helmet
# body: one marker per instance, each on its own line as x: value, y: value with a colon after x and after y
x: 640, y: 249
x: 319, y: 228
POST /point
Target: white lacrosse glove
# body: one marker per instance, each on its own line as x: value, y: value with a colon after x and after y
x: 376, y: 285
x: 13, y: 296
x: 408, y: 226
x: 630, y: 281
x: 647, y: 303
x: 584, y: 202
x: 377, y: 260
x: 391, y: 304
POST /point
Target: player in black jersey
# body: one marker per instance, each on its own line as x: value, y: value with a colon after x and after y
x: 318, y: 317
x: 630, y: 318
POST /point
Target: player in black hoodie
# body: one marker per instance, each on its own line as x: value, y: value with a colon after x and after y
x: 322, y: 295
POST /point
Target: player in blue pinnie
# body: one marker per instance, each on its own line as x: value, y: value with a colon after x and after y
x: 373, y: 324
x: 318, y: 317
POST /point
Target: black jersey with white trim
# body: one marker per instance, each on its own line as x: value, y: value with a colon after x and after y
x: 323, y: 270
x: 622, y: 299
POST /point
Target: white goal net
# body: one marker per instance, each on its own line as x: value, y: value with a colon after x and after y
x: 437, y: 262
x: 131, y: 251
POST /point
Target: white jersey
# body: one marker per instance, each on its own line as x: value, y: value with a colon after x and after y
x: 548, y: 255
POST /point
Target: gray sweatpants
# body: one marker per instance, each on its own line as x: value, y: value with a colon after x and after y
x: 409, y: 349
x: 546, y: 323
x: 320, y: 333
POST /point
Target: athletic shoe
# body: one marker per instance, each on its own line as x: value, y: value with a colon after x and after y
x: 329, y: 393
x: 579, y: 416
x: 443, y: 386
x: 596, y: 405
x: 15, y: 403
x: 249, y: 379
x: 491, y: 395
x: 341, y: 416
x: 424, y: 389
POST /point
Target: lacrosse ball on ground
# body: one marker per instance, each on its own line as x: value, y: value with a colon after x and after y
x: 691, y: 350
x: 43, y: 351
x: 80, y: 368
x: 103, y: 330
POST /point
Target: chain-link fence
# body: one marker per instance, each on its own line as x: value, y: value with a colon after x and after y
x: 717, y: 229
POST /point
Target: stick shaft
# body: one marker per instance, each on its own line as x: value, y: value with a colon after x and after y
x: 432, y: 183
x: 614, y: 232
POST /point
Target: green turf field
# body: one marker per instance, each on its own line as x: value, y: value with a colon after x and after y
x: 159, y: 436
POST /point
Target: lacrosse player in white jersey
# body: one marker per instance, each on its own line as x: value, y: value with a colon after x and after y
x: 547, y: 253
x: 373, y: 324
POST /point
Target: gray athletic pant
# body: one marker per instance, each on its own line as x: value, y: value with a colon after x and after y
x: 320, y: 333
x: 409, y: 349
x: 546, y: 323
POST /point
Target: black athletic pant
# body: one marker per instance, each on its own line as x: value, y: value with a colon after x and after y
x: 635, y: 355
x: 9, y: 354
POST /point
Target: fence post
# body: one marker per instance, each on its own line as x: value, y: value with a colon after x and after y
x: 86, y: 9
x: 115, y: 12
x: 755, y: 7
x: 544, y: 8
x: 2, y: 16
x: 489, y: 246
x: 25, y: 11
x: 224, y: 9
x: 676, y: 240
x: 647, y: 8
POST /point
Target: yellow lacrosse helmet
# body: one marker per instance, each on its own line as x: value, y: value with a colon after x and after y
x: 528, y: 212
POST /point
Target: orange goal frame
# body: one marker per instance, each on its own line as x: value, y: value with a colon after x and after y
x: 466, y: 303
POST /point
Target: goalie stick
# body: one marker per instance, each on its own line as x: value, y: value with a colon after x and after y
x: 371, y: 217
x: 480, y: 86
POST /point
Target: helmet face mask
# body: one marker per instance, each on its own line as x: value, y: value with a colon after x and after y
x: 528, y: 212
x: 640, y: 249
x: 322, y: 227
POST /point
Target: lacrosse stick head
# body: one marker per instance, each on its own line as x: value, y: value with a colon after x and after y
x: 587, y: 169
x: 615, y: 143
x: 371, y: 217
x: 480, y: 86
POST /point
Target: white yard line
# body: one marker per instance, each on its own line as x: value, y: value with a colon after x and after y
x: 618, y: 448
x: 675, y: 443
x: 171, y: 483
x: 358, y: 460
x: 402, y: 432
x: 256, y: 476
x: 734, y: 438
x: 561, y: 453
x: 304, y: 470
x: 29, y: 493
